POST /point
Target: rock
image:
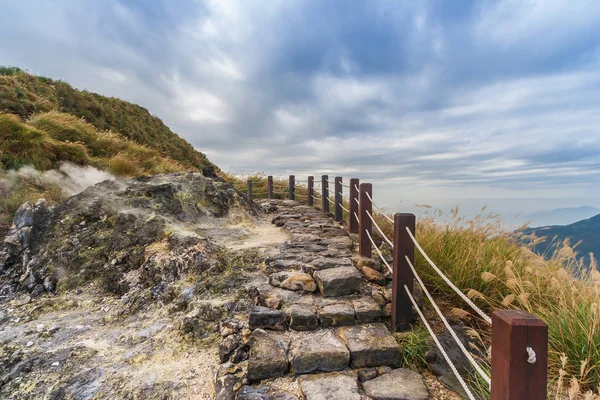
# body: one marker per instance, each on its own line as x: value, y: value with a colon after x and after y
x: 373, y: 276
x: 366, y: 262
x: 335, y: 386
x: 21, y: 300
x: 366, y: 310
x: 378, y: 297
x: 338, y: 281
x: 240, y: 354
x: 323, y: 263
x: 268, y: 355
x: 370, y: 345
x: 293, y: 281
x: 341, y: 242
x: 302, y: 318
x: 285, y: 264
x: 318, y: 351
x: 263, y: 393
x: 336, y: 314
x: 209, y: 171
x: 224, y: 387
x: 49, y: 284
x: 387, y: 310
x: 23, y: 216
x: 263, y: 317
x: 400, y: 384
x: 228, y: 346
x: 387, y: 293
x: 366, y: 374
x: 383, y: 370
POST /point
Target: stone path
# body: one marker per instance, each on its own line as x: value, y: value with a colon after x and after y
x: 319, y: 320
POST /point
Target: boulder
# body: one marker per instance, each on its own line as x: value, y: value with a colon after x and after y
x: 399, y: 384
x: 293, y: 281
x: 373, y: 276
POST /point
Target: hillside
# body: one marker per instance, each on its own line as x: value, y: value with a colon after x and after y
x: 24, y: 95
x: 587, y: 232
x: 559, y: 216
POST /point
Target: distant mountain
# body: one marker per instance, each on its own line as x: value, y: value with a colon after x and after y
x: 560, y: 216
x: 586, y: 231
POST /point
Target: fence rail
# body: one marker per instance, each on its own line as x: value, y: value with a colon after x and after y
x: 519, y: 339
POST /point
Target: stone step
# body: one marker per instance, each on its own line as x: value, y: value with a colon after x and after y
x: 338, y: 281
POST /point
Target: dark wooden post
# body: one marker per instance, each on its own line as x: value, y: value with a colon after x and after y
x: 325, y: 193
x: 354, y: 182
x: 292, y: 188
x: 403, y: 275
x: 270, y: 187
x: 514, y: 377
x: 338, y: 198
x: 249, y: 189
x: 311, y: 190
x: 364, y: 244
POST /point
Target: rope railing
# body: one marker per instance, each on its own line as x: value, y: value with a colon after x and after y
x: 439, y: 345
x: 483, y: 315
x: 447, y: 325
x: 383, y: 235
x: 379, y: 252
x: 344, y: 208
x: 379, y: 209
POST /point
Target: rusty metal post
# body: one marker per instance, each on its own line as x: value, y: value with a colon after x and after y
x: 325, y: 193
x: 249, y: 189
x: 311, y: 190
x: 292, y: 188
x: 338, y: 198
x: 403, y: 275
x: 352, y: 221
x: 269, y: 187
x: 364, y: 243
x: 516, y: 375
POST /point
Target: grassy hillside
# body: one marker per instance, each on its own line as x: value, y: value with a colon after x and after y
x: 24, y: 95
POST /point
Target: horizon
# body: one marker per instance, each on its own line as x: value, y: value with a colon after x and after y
x: 484, y: 103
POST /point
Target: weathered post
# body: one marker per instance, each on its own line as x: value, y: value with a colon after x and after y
x: 519, y: 356
x: 364, y: 244
x: 249, y: 189
x: 311, y: 190
x: 352, y: 221
x: 292, y: 188
x: 403, y: 275
x: 325, y: 193
x: 269, y: 187
x: 338, y: 198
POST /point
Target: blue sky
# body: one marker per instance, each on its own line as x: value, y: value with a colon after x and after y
x: 438, y: 102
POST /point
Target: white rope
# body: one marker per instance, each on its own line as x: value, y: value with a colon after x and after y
x: 344, y: 185
x: 356, y: 200
x: 438, y: 344
x: 344, y: 208
x: 357, y: 219
x: 448, y: 327
x: 379, y: 252
x: 448, y: 281
x: 313, y: 197
x: 530, y: 355
x: 331, y: 201
x: 379, y: 209
x: 379, y: 229
x: 340, y: 193
x: 356, y: 187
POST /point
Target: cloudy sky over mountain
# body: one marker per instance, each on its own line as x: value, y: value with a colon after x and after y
x: 433, y: 101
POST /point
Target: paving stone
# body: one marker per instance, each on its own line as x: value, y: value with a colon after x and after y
x: 293, y: 281
x: 318, y: 351
x: 336, y: 314
x: 335, y: 386
x: 268, y: 355
x: 322, y: 263
x: 285, y: 264
x: 263, y: 393
x: 366, y: 310
x: 399, y: 384
x: 263, y: 317
x: 341, y: 242
x: 302, y: 318
x: 370, y: 345
x: 338, y: 281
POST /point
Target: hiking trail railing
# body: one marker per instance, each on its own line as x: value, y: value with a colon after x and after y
x: 519, y: 354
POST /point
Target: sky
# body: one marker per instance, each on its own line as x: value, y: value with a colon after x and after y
x: 440, y: 102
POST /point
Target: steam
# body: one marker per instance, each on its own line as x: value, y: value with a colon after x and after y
x: 71, y: 178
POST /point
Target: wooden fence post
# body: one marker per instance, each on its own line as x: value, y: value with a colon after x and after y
x: 364, y: 244
x: 311, y: 190
x: 354, y: 182
x: 338, y: 198
x: 269, y: 187
x: 516, y: 374
x: 325, y: 193
x: 292, y: 188
x: 403, y: 275
x: 249, y: 189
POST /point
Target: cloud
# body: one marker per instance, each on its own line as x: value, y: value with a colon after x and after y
x: 477, y: 97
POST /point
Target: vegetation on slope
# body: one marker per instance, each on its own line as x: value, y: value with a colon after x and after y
x: 23, y: 94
